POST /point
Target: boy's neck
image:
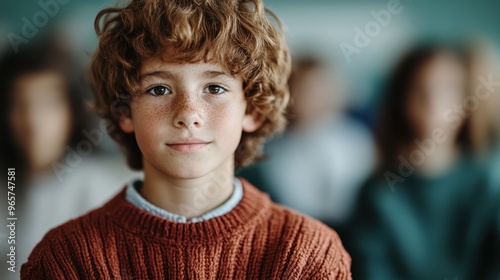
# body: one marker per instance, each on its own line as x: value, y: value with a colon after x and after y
x: 188, y: 197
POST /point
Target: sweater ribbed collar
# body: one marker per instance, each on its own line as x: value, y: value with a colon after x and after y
x: 252, y: 209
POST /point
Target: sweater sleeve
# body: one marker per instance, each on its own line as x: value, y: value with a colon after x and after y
x: 49, y: 260
x: 328, y: 259
x: 336, y: 263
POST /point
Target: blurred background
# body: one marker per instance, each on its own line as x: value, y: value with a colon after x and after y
x: 393, y: 138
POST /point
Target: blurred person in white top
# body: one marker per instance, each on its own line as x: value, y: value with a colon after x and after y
x: 317, y: 166
x: 45, y: 125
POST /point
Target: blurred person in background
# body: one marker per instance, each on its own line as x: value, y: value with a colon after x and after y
x: 432, y: 210
x: 317, y: 166
x: 47, y: 140
x: 483, y: 67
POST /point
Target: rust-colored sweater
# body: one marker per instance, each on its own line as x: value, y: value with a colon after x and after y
x: 256, y: 240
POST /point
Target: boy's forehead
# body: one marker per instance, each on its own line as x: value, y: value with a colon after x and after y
x: 157, y: 64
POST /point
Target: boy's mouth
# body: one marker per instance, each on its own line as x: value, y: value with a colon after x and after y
x: 188, y: 145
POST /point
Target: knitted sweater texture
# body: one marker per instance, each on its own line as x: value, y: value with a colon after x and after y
x: 256, y: 240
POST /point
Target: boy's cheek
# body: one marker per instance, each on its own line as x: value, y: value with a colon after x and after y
x: 225, y: 118
x: 150, y: 112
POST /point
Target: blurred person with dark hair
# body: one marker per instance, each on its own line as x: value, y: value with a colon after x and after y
x: 42, y: 110
x: 483, y: 70
x: 43, y: 118
x: 322, y: 148
x: 432, y: 210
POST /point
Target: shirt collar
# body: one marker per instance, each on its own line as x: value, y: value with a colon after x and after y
x: 134, y: 197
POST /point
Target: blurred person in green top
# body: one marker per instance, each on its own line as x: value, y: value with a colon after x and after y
x: 432, y: 210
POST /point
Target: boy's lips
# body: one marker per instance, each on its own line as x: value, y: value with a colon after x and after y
x: 188, y: 145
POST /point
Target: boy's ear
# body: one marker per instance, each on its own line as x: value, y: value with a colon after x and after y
x: 252, y: 121
x: 126, y: 124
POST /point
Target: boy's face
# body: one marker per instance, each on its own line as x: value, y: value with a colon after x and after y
x: 188, y: 118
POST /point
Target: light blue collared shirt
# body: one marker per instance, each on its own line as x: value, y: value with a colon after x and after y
x: 133, y: 196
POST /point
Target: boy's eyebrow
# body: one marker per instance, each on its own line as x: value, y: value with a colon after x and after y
x: 213, y: 74
x: 169, y: 75
x: 159, y: 74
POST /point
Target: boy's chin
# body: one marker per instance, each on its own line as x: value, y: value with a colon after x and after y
x: 191, y: 172
x: 193, y: 169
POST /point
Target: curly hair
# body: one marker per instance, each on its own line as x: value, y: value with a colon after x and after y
x: 236, y: 34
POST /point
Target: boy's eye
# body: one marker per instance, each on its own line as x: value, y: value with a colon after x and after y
x: 214, y: 89
x: 158, y: 90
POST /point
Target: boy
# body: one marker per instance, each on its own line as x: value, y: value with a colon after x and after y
x: 193, y: 88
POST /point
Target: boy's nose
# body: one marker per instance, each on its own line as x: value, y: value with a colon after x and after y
x: 188, y: 113
x: 187, y: 122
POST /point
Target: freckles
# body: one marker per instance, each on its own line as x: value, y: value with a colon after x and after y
x: 149, y: 117
x: 219, y: 115
x: 153, y: 114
